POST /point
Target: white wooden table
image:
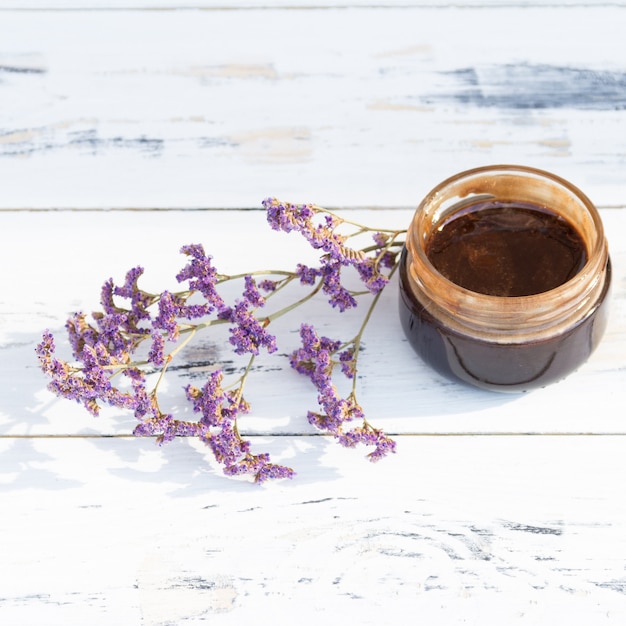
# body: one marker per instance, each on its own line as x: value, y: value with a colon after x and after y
x: 128, y: 129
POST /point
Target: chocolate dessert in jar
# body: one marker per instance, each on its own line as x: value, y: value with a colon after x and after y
x: 504, y: 278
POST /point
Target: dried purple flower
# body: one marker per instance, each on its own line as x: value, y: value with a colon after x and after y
x: 219, y: 411
x: 169, y: 309
x: 268, y: 285
x: 139, y: 300
x: 380, y: 239
x: 323, y: 235
x: 287, y: 217
x: 340, y: 296
x: 88, y: 385
x: 307, y: 275
x: 105, y: 348
x: 389, y: 259
x: 371, y: 276
x: 201, y: 276
x: 368, y: 436
x: 208, y: 401
x: 144, y: 404
x: 166, y: 428
x: 227, y: 446
x: 157, y: 350
x: 252, y: 294
x: 248, y: 334
x: 315, y: 360
x: 272, y: 471
x: 347, y: 358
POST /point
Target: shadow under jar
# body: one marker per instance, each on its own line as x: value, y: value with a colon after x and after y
x: 504, y: 278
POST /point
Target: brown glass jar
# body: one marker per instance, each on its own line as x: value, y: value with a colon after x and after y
x: 481, y: 335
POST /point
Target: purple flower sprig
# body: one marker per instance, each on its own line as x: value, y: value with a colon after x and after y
x: 319, y: 357
x: 121, y: 355
x: 137, y: 335
x: 321, y: 228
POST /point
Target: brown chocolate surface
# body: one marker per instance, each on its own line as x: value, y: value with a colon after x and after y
x: 507, y: 249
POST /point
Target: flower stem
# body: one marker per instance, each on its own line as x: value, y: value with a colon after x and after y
x: 294, y: 305
x: 359, y: 336
x: 342, y: 220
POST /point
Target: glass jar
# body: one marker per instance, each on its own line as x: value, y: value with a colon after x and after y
x: 501, y: 342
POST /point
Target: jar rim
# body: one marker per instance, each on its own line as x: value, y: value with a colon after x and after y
x: 482, y: 309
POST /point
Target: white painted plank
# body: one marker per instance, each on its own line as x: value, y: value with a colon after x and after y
x: 60, y: 260
x: 216, y: 108
x: 270, y: 4
x: 205, y: 108
x: 457, y: 530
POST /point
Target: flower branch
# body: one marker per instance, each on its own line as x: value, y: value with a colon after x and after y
x: 137, y: 334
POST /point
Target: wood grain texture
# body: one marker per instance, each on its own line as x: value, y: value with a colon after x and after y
x: 396, y: 389
x: 216, y: 108
x: 496, y: 509
x: 221, y: 5
x: 455, y: 530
